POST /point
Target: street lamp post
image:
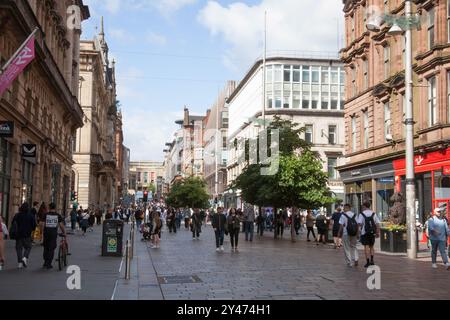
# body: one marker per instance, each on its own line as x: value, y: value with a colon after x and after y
x: 374, y: 24
x: 409, y: 150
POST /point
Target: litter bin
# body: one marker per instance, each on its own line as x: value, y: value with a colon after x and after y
x: 112, y: 238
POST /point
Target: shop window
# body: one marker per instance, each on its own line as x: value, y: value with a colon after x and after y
x: 385, y: 190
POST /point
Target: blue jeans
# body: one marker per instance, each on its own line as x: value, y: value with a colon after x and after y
x: 219, y: 237
x: 435, y: 245
x: 249, y: 226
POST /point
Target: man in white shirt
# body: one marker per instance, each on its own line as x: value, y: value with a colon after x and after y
x: 348, y: 232
x: 369, y: 224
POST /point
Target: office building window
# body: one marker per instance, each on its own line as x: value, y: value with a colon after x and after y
x: 332, y: 164
x: 286, y: 100
x: 332, y: 132
x: 287, y: 74
x: 315, y: 74
x: 353, y: 134
x: 325, y: 98
x: 387, y: 58
x: 309, y: 133
x: 431, y: 18
x: 432, y: 101
x: 305, y: 74
x: 354, y: 80
x: 277, y: 73
x: 296, y: 74
x: 224, y: 119
x: 387, y: 120
x: 366, y: 129
x: 269, y: 74
x: 296, y: 100
x: 366, y: 73
x: 277, y: 99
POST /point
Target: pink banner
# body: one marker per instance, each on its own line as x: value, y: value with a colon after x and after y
x: 25, y: 56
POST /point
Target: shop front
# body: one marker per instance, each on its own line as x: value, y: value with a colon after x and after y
x: 371, y: 182
x: 432, y: 176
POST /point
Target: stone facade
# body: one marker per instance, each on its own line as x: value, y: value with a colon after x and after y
x: 42, y: 103
x: 374, y: 108
x: 95, y: 156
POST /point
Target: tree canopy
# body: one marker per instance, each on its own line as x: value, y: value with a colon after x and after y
x: 190, y: 192
x: 300, y: 180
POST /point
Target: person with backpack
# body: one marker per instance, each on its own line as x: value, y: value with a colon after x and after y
x: 439, y: 232
x: 322, y: 229
x: 348, y: 233
x: 25, y: 223
x: 196, y: 224
x: 369, y: 224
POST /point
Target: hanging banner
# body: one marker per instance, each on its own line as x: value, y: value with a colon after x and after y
x: 17, y: 64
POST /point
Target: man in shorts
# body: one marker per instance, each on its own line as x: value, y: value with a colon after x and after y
x: 369, y: 224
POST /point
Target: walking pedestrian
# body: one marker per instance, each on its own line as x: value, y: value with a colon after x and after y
x: 233, y: 227
x: 157, y: 223
x: 297, y: 222
x: 98, y: 216
x: 187, y: 218
x: 41, y: 216
x: 348, y: 232
x: 26, y: 223
x: 34, y: 213
x: 369, y: 224
x: 2, y: 245
x: 84, y: 223
x: 279, y: 224
x: 260, y: 223
x: 439, y: 232
x: 51, y: 221
x: 138, y: 216
x: 91, y: 220
x: 322, y: 229
x: 310, y: 225
x: 335, y: 218
x: 196, y: 225
x: 249, y: 223
x: 219, y: 225
x: 73, y: 219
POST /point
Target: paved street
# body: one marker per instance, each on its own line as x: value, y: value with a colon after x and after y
x: 98, y: 274
x: 185, y: 269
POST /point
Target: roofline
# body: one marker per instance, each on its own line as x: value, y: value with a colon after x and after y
x: 271, y: 59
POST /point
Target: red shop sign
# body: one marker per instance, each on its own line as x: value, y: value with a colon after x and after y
x: 426, y: 162
x: 446, y: 170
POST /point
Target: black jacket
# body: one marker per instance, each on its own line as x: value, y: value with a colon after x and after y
x: 26, y: 224
x: 218, y: 221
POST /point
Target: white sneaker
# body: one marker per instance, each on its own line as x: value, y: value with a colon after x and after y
x: 221, y: 248
x: 25, y: 262
x: 218, y: 250
x: 447, y: 265
x: 434, y: 266
x: 20, y: 266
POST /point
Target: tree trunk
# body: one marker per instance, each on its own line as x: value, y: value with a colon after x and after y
x: 293, y: 234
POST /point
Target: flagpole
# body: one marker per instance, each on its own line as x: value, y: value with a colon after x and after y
x: 3, y: 68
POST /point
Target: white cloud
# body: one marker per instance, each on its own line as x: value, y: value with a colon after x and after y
x: 121, y: 35
x: 156, y: 38
x: 292, y: 25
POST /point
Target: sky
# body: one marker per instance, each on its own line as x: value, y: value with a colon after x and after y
x: 175, y: 53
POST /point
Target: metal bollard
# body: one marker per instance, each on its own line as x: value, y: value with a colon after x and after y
x: 132, y: 243
x: 127, y: 262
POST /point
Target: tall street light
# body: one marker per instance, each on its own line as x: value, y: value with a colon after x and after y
x: 374, y: 24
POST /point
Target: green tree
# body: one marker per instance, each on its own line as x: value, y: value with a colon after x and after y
x: 190, y: 192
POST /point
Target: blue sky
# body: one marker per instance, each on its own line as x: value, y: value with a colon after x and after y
x: 172, y: 53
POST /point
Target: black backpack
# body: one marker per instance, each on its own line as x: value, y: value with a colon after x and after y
x: 369, y: 224
x: 352, y: 225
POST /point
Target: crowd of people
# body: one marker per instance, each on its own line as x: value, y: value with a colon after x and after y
x: 40, y: 224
